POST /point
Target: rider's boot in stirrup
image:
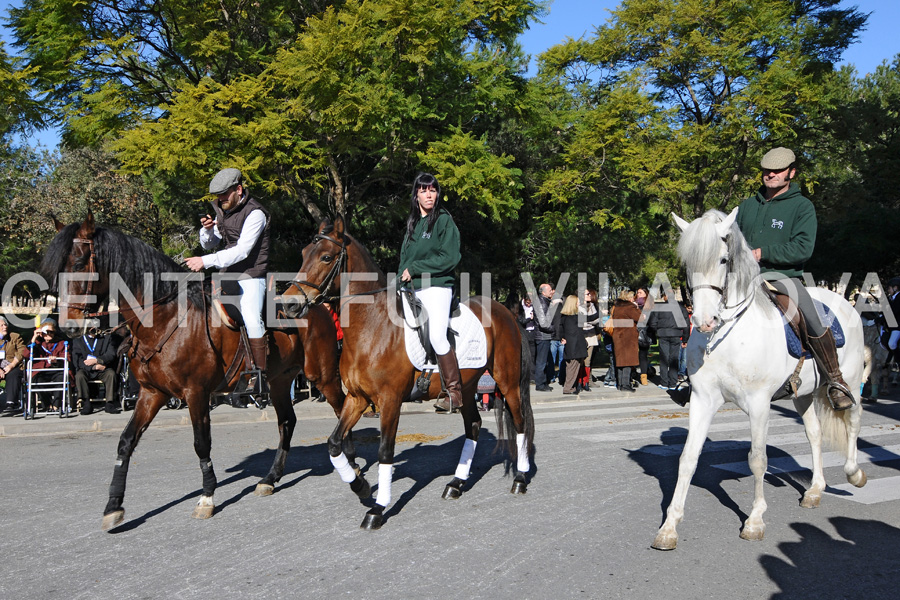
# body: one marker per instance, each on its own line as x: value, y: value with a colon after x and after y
x: 825, y: 353
x: 449, y: 368
x: 259, y: 348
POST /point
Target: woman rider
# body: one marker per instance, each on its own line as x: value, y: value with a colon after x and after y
x: 428, y: 258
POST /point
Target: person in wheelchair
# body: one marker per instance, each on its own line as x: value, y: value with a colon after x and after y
x: 12, y: 355
x: 48, y: 353
x: 94, y: 358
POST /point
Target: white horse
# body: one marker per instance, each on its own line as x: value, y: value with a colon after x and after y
x: 738, y: 353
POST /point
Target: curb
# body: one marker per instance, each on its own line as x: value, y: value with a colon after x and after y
x: 16, y: 426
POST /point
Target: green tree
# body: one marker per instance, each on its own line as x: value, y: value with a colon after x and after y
x: 856, y: 169
x: 709, y: 85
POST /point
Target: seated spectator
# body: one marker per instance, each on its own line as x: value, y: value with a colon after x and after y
x: 94, y: 357
x: 12, y: 355
x: 48, y: 352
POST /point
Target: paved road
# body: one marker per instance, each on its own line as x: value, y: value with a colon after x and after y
x: 606, y: 468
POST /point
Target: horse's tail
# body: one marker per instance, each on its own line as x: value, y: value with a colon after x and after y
x: 505, y: 423
x: 868, y: 361
x: 834, y: 424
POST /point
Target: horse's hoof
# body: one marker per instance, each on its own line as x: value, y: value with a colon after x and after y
x: 264, y: 489
x: 451, y: 492
x: 664, y: 542
x: 204, y: 509
x: 361, y: 487
x: 753, y: 534
x: 810, y: 501
x: 113, y: 519
x: 858, y: 479
x: 519, y: 487
x: 373, y: 520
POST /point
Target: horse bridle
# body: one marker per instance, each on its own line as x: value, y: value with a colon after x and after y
x: 91, y: 270
x: 723, y: 297
x: 326, y: 284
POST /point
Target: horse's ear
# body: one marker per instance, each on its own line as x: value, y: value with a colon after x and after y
x: 57, y: 223
x: 724, y: 227
x: 87, y: 226
x: 324, y: 225
x: 682, y: 224
x: 339, y: 227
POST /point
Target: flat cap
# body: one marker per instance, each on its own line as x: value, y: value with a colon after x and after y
x: 777, y: 159
x: 224, y: 181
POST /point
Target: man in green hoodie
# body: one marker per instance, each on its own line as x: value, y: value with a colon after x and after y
x: 780, y: 226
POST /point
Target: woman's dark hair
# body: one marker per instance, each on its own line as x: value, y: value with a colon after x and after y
x: 422, y: 180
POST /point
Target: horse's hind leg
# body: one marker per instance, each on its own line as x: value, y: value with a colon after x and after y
x: 855, y: 474
x: 813, y: 494
x: 145, y: 410
x: 754, y: 527
x: 279, y: 392
x: 700, y: 417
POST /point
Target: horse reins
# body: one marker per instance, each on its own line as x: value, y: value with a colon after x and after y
x: 723, y: 295
x: 325, y: 286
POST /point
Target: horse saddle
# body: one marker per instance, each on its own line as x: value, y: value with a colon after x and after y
x: 795, y: 328
x: 465, y: 333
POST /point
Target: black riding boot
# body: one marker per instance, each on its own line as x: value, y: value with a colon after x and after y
x: 449, y: 368
x: 825, y: 353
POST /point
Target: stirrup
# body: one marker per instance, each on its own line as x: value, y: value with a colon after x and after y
x: 843, y: 391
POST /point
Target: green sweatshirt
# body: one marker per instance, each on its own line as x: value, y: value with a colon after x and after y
x: 435, y: 252
x: 783, y: 228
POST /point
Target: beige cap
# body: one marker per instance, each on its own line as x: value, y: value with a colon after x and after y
x: 777, y: 159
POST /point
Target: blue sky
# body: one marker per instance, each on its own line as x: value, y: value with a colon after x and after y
x: 576, y: 18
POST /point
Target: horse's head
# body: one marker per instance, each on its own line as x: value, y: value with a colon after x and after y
x: 320, y: 274
x: 80, y: 286
x: 718, y: 263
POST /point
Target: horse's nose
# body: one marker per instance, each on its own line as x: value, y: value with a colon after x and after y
x: 704, y: 324
x: 293, y: 305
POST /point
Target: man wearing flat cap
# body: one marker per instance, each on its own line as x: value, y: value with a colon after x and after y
x: 243, y: 224
x: 780, y: 226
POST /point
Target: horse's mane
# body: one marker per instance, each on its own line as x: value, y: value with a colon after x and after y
x: 699, y: 250
x: 129, y: 257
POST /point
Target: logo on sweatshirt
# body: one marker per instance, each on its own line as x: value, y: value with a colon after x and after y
x: 777, y: 224
x: 426, y: 235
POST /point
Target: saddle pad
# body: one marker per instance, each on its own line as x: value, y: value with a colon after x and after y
x: 471, y: 343
x: 793, y: 342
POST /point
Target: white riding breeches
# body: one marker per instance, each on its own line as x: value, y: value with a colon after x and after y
x: 253, y: 295
x: 436, y: 301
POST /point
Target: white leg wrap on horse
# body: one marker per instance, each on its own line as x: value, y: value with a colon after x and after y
x: 385, y: 476
x: 524, y: 465
x: 343, y: 467
x: 465, y: 459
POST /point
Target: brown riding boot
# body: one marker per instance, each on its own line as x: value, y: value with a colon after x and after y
x: 259, y: 348
x: 449, y: 368
x: 825, y: 353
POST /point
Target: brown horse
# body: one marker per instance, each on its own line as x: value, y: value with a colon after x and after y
x: 376, y: 370
x: 175, y: 352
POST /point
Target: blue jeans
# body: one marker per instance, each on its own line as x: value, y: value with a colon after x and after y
x: 556, y: 351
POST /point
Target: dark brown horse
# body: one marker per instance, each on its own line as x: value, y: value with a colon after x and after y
x: 376, y: 370
x: 175, y: 350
